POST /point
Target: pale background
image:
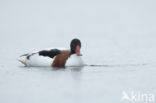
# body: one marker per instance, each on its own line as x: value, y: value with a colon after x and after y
x: 120, y: 34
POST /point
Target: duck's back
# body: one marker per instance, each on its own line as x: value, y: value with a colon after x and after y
x: 41, y: 58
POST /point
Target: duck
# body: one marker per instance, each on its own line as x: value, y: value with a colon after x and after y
x: 58, y: 58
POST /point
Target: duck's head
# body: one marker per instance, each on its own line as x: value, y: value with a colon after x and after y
x: 75, y: 47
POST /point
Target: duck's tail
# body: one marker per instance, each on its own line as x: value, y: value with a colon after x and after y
x: 23, y: 59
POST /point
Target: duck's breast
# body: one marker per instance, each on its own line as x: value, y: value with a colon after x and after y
x: 74, y: 60
x: 61, y: 59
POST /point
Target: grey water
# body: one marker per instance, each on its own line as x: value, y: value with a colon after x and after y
x: 118, y: 45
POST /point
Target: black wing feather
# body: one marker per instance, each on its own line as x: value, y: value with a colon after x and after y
x: 50, y: 53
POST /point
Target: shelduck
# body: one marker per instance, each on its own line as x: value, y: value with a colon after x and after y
x: 55, y: 57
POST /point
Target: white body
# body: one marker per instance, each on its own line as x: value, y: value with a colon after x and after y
x: 38, y: 60
x: 75, y: 60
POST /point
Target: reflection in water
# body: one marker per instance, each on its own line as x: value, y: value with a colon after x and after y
x: 77, y: 69
x: 80, y: 68
x: 72, y: 68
